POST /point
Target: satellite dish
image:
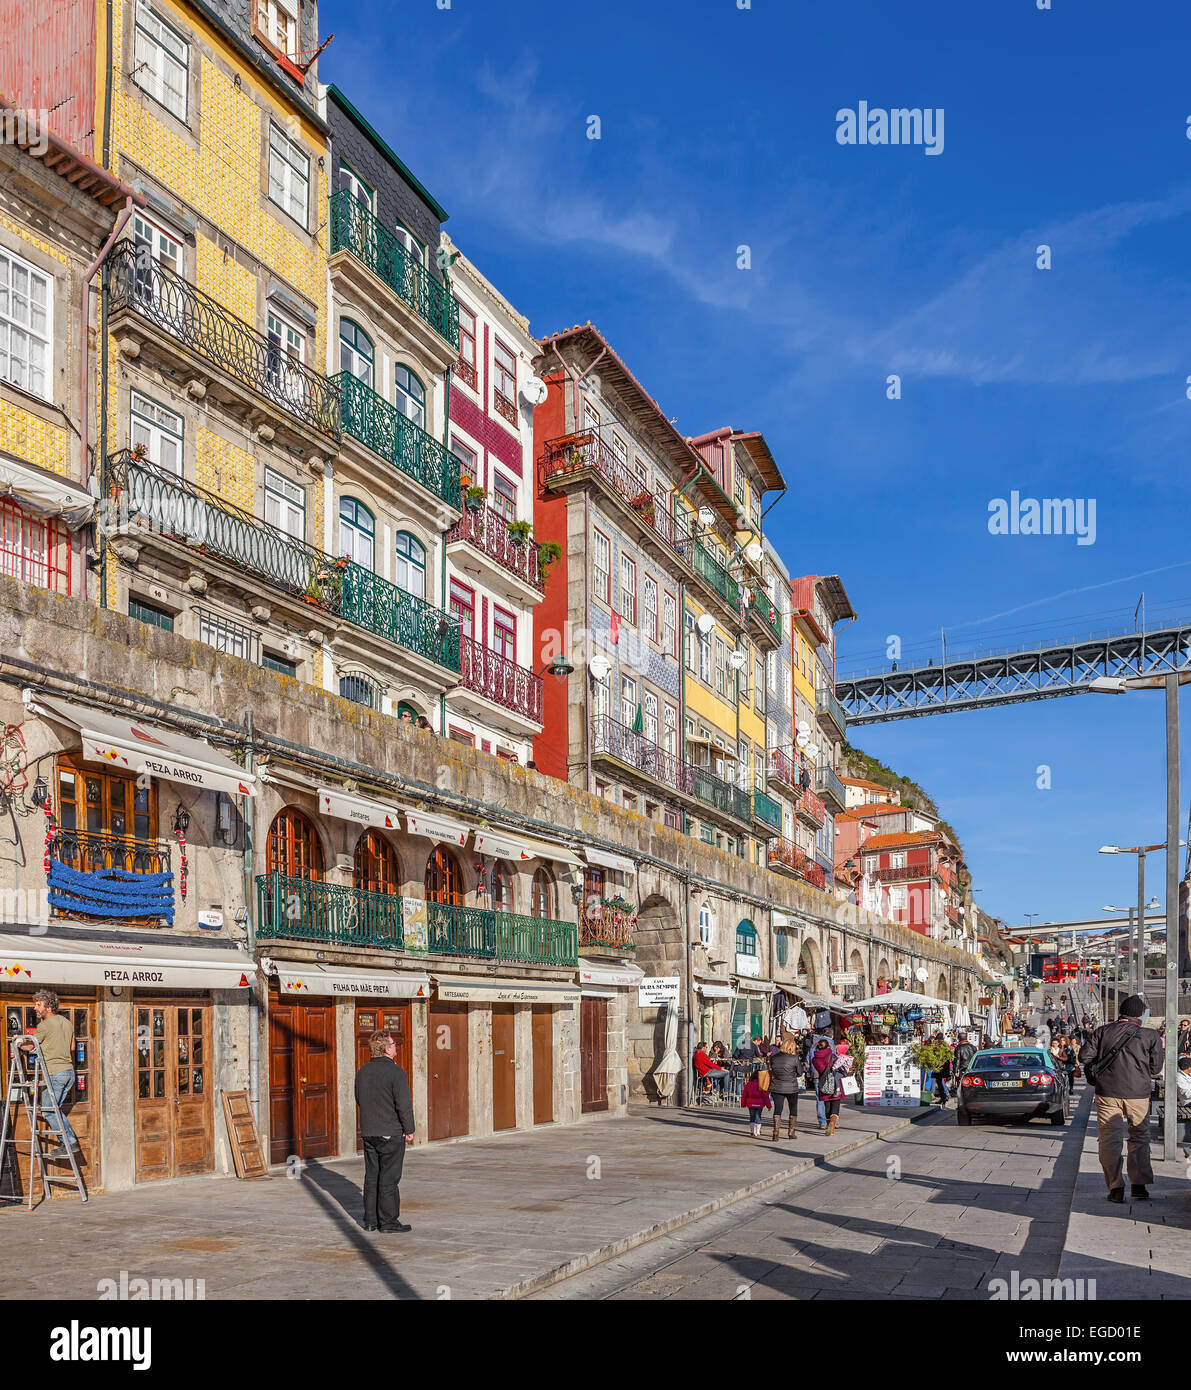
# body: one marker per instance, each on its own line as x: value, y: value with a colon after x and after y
x: 705, y: 623
x: 599, y: 666
x: 812, y: 751
x: 534, y: 390
x: 802, y: 740
x: 754, y: 552
x: 804, y: 728
x: 922, y: 974
x: 737, y: 660
x: 706, y: 516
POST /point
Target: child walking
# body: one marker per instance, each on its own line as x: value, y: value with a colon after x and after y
x: 757, y: 1100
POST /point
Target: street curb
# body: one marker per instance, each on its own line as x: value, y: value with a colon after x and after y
x: 581, y: 1263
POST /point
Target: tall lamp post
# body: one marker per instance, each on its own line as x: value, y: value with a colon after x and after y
x: 1137, y: 946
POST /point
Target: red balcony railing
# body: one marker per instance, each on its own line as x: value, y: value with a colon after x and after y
x: 907, y: 873
x: 787, y: 853
x: 607, y: 924
x: 811, y: 808
x: 498, y: 679
x: 488, y: 531
x: 783, y: 769
x: 804, y: 604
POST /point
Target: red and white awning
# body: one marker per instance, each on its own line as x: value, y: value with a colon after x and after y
x: 363, y: 810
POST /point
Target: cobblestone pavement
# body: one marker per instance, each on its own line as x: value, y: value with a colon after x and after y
x: 491, y: 1218
x: 932, y: 1211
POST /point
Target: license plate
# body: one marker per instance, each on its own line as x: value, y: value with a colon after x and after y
x: 1004, y: 1083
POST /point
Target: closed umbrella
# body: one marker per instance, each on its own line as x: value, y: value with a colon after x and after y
x: 666, y: 1071
x: 992, y: 1026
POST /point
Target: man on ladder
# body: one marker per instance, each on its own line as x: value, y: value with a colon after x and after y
x: 55, y: 1038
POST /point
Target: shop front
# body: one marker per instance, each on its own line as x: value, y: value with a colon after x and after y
x: 616, y: 1048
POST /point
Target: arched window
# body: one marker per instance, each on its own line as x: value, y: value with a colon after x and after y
x: 706, y: 924
x: 782, y: 947
x: 356, y: 687
x: 444, y: 878
x: 411, y: 564
x: 375, y: 867
x: 410, y: 242
x: 541, y: 898
x: 409, y: 395
x: 746, y: 939
x: 407, y: 712
x: 357, y: 532
x: 355, y: 351
x: 502, y: 889
x: 293, y: 847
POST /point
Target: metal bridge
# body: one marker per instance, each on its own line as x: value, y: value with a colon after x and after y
x: 981, y: 681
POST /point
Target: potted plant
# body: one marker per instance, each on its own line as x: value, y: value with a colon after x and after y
x: 549, y: 554
x: 474, y: 498
x: 930, y: 1055
x: 642, y: 503
x: 519, y: 531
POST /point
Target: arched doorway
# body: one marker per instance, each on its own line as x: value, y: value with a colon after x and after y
x: 856, y: 967
x: 660, y: 939
x: 376, y: 875
x: 293, y: 847
x: 941, y: 990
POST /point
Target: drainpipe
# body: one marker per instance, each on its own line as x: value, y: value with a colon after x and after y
x: 587, y: 621
x: 689, y: 973
x: 254, y: 1093
x: 442, y: 540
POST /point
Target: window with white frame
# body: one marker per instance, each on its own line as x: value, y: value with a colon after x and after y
x: 410, y: 242
x: 285, y: 505
x: 603, y: 697
x: 721, y: 667
x: 669, y: 625
x: 289, y: 174
x: 469, y: 462
x: 466, y: 368
x: 227, y: 636
x: 410, y: 567
x: 706, y: 925
x: 357, y: 532
x: 628, y: 590
x: 409, y: 395
x: 601, y: 566
x: 504, y: 371
x: 670, y: 729
x: 688, y: 626
x: 287, y: 353
x: 504, y: 634
x: 649, y: 597
x: 356, y: 353
x: 350, y: 182
x: 504, y: 496
x: 897, y: 860
x: 26, y: 312
x: 160, y: 60
x: 759, y: 686
x: 158, y: 431
x: 591, y: 415
x: 650, y: 706
x: 621, y: 450
x: 628, y: 701
x: 705, y: 657
x: 277, y: 23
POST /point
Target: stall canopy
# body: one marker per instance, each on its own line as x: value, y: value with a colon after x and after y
x: 45, y: 496
x: 714, y: 991
x: 476, y: 990
x: 48, y: 960
x: 436, y: 827
x: 363, y: 810
x: 304, y: 977
x: 504, y: 843
x: 896, y: 998
x: 135, y: 745
x: 593, y: 973
x: 603, y: 859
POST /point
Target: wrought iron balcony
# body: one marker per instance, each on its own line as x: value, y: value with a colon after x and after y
x: 830, y: 788
x: 355, y: 228
x: 333, y: 914
x: 810, y: 808
x: 829, y: 708
x: 763, y: 612
x: 767, y: 811
x: 138, y: 283
x: 536, y: 940
x: 168, y: 505
x: 382, y: 428
x: 784, y: 769
x: 714, y: 791
x: 714, y: 575
x: 906, y: 873
x: 615, y: 740
x: 497, y: 678
x: 487, y: 530
x: 784, y: 854
x: 608, y: 925
x: 92, y: 851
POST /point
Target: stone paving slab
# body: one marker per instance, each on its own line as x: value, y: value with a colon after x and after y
x: 492, y: 1218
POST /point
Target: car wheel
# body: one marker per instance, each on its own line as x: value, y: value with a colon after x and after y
x: 962, y: 1117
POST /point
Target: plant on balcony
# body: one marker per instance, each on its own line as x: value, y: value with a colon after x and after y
x: 643, y: 504
x: 577, y: 457
x: 519, y: 532
x: 139, y: 453
x: 325, y: 589
x: 549, y: 554
x: 474, y: 499
x: 618, y: 904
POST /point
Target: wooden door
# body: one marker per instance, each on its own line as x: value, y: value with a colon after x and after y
x: 447, y: 1063
x: 302, y: 1089
x: 543, y: 1064
x: 80, y: 1107
x: 504, y: 1067
x: 173, y: 1118
x: 593, y: 1053
x: 392, y: 1016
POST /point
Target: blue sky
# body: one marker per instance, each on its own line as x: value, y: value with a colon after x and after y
x: 1065, y: 127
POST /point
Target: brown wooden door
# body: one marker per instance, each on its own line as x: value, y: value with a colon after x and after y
x: 593, y: 1053
x: 543, y: 1064
x: 504, y: 1067
x: 393, y: 1017
x: 83, y: 1115
x: 302, y: 1091
x: 447, y: 1065
x: 173, y: 1118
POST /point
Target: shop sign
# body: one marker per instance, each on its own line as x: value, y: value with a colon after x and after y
x: 656, y: 990
x: 845, y: 977
x: 748, y: 965
x: 891, y: 1076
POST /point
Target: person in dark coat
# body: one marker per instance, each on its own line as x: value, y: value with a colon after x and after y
x: 387, y: 1125
x: 785, y: 1068
x: 1125, y: 1058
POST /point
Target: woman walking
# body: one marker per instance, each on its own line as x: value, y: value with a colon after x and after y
x: 831, y: 1065
x: 785, y: 1068
x: 756, y: 1099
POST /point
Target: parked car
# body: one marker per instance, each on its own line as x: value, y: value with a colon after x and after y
x: 1016, y: 1083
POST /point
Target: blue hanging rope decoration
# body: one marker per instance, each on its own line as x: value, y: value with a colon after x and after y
x: 111, y: 892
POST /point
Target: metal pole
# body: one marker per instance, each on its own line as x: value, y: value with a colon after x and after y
x: 1140, y: 952
x: 1129, y: 955
x: 1172, y: 913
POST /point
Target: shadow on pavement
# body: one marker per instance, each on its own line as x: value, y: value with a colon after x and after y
x: 342, y: 1201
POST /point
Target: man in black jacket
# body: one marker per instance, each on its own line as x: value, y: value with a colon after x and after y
x: 1123, y: 1087
x: 387, y: 1125
x: 964, y: 1052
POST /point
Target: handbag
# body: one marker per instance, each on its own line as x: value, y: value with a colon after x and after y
x: 849, y: 1085
x: 763, y: 1080
x: 1098, y: 1068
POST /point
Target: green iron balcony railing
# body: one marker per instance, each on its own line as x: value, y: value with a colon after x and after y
x: 829, y: 786
x: 536, y: 940
x: 139, y: 283
x: 714, y: 791
x: 830, y: 708
x: 767, y: 810
x: 356, y: 228
x: 333, y: 914
x: 709, y: 569
x: 763, y: 610
x: 144, y: 497
x: 380, y: 426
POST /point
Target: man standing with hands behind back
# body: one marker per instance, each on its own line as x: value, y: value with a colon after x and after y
x: 387, y: 1125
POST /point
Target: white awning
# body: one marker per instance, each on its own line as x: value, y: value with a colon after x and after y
x: 503, y: 843
x: 500, y: 846
x: 306, y: 978
x: 333, y: 801
x: 43, y: 495
x: 436, y: 827
x: 280, y: 775
x: 714, y: 991
x: 605, y: 860
x: 475, y: 990
x: 592, y: 973
x: 135, y: 745
x: 47, y: 960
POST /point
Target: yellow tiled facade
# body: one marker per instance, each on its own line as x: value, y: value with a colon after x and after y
x: 225, y: 470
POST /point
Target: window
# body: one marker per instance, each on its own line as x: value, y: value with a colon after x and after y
x: 738, y: 490
x: 504, y: 496
x: 705, y: 657
x: 153, y: 247
x: 409, y: 395
x: 355, y: 351
x: 601, y: 567
x: 706, y: 925
x: 688, y: 621
x: 504, y: 367
x: 466, y: 367
x: 289, y: 174
x: 541, y: 894
x: 159, y: 431
x: 771, y: 663
x: 650, y: 597
x: 350, y: 182
x: 603, y: 698
x: 651, y: 716
x: 501, y: 889
x: 357, y: 532
x: 410, y: 242
x: 104, y: 803
x: 279, y: 664
x: 746, y: 939
x: 628, y: 701
x: 285, y: 505
x: 293, y: 846
x: 287, y: 352
x: 148, y: 613
x: 591, y: 416
x: 628, y: 590
x: 443, y: 878
x: 504, y: 634
x: 621, y: 450
x: 357, y: 688
x: 160, y: 60
x: 781, y: 942
x: 897, y: 896
x: 226, y: 635
x: 468, y: 462
x: 26, y: 297
x: 759, y: 686
x: 897, y: 860
x: 375, y: 868
x: 670, y: 730
x: 669, y: 625
x: 277, y: 23
x: 463, y: 606
x: 410, y: 573
x: 721, y: 666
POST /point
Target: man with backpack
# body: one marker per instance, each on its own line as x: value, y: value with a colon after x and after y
x: 964, y: 1052
x: 1121, y: 1062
